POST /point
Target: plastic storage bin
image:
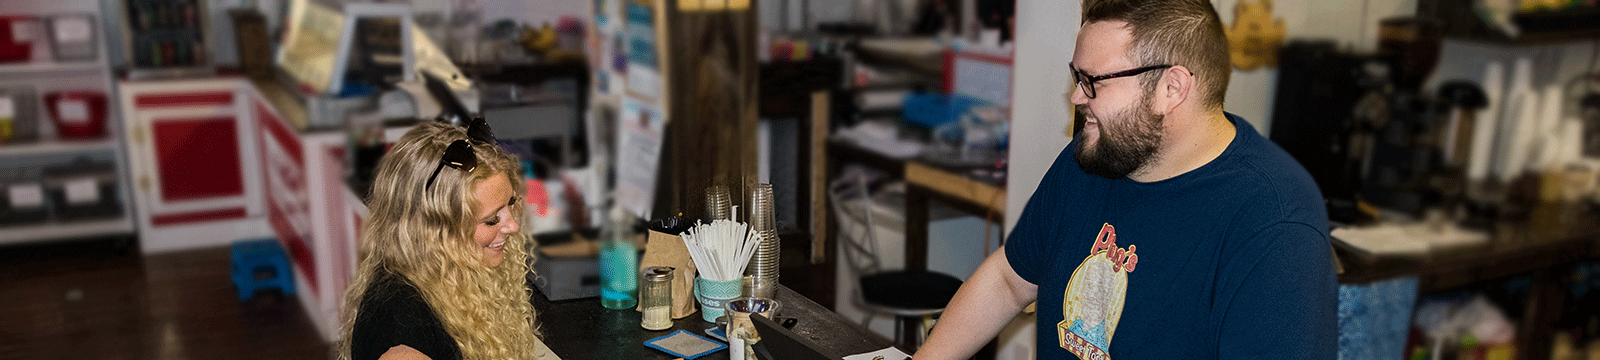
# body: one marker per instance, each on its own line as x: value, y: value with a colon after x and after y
x: 19, y: 119
x: 13, y: 49
x: 933, y: 110
x: 22, y: 199
x: 82, y: 190
x: 78, y: 114
x: 72, y: 37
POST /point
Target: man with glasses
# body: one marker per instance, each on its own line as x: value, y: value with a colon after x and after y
x: 1167, y: 229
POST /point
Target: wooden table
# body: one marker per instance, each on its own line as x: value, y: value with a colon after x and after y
x: 925, y: 182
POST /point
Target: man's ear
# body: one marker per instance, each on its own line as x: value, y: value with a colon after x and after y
x: 1176, y: 88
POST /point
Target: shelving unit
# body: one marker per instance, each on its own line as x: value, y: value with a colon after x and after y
x: 44, y: 74
x: 1462, y: 22
x: 46, y: 147
x: 14, y: 234
x: 50, y: 67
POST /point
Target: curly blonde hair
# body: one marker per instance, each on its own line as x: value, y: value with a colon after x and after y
x: 424, y: 236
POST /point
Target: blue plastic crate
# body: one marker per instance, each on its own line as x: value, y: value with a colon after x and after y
x: 933, y: 110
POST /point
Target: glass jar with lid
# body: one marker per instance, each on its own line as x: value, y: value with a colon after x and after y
x: 655, y: 298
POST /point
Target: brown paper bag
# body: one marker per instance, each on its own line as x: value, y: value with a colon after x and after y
x: 664, y: 249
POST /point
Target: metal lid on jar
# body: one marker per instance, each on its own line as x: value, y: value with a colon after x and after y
x: 658, y: 273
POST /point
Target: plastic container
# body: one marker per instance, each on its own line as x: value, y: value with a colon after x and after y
x: 82, y: 190
x: 73, y: 37
x: 933, y: 110
x: 78, y: 114
x: 11, y: 48
x: 19, y: 119
x: 22, y: 199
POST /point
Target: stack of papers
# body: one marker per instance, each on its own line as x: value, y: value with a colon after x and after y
x: 1408, y: 240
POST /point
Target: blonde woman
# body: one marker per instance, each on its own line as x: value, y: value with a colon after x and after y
x: 442, y: 260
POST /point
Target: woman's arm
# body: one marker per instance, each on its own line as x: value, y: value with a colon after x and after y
x: 402, y: 352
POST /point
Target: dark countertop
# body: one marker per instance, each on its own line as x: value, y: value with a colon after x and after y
x: 1549, y: 235
x: 581, y: 329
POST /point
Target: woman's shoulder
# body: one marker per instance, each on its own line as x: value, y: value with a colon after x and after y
x: 393, y: 313
x: 389, y: 295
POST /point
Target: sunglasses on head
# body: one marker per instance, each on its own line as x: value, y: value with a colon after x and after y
x: 459, y: 155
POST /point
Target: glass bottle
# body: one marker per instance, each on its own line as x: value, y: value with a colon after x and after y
x: 619, y: 261
x: 655, y: 298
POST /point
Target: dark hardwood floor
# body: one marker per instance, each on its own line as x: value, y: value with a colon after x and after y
x: 94, y: 299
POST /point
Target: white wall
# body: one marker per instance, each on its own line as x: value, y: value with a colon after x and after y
x: 1046, y: 34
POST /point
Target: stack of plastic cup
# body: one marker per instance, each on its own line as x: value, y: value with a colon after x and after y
x: 761, y: 275
x: 718, y: 203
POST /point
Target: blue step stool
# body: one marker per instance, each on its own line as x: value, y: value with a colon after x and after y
x: 260, y: 264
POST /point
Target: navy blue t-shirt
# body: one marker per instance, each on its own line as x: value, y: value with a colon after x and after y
x: 1228, y: 261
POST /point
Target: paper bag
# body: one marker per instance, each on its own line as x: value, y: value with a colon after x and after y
x: 664, y: 249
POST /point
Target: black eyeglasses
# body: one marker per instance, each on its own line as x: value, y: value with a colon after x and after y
x: 1087, y: 81
x: 459, y: 154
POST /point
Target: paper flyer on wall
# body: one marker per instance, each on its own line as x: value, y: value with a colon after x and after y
x: 644, y: 65
x: 639, y: 148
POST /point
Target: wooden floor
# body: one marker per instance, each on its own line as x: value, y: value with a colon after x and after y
x: 96, y: 300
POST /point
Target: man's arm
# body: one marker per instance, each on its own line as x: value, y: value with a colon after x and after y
x: 990, y: 298
x: 1284, y: 299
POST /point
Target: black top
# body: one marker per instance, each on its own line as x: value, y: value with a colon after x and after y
x: 394, y: 313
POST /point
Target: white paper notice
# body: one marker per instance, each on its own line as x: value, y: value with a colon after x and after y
x: 73, y: 30
x: 644, y: 81
x: 74, y: 112
x: 7, y: 108
x: 82, y: 191
x: 639, y: 146
x: 25, y: 196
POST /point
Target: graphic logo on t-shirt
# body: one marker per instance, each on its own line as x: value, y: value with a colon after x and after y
x: 1092, y: 304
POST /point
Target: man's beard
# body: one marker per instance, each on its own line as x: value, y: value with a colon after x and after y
x: 1128, y: 141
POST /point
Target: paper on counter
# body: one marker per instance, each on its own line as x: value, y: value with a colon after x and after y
x: 888, y: 353
x: 542, y: 351
x: 1415, y: 239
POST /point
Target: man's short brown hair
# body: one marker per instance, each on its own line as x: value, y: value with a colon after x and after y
x: 1173, y: 32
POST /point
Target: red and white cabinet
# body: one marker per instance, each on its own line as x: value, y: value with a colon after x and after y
x: 310, y: 208
x: 192, y: 163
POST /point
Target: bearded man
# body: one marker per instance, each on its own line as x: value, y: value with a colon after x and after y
x: 1168, y: 228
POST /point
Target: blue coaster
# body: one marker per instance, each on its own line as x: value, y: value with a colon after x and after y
x: 685, y: 344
